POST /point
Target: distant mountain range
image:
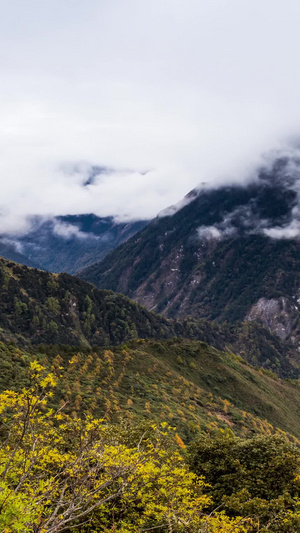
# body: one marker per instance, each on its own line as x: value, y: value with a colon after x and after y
x: 68, y: 243
x: 231, y: 254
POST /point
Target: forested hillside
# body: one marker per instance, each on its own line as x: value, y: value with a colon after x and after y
x: 39, y: 307
x: 64, y: 473
x: 156, y: 405
x: 159, y: 401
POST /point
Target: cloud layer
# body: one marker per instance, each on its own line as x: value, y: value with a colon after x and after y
x: 269, y: 204
x: 169, y: 94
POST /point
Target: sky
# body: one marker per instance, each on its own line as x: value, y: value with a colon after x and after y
x: 164, y: 94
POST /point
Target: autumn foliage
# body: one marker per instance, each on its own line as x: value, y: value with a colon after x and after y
x: 63, y: 473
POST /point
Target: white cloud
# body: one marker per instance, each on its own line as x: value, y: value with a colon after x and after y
x: 209, y: 232
x: 281, y: 172
x: 189, y: 91
x: 291, y: 231
x: 67, y: 231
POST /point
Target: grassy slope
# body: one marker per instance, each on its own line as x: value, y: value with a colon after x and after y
x: 186, y: 383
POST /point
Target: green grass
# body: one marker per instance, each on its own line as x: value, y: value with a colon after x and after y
x: 193, y: 386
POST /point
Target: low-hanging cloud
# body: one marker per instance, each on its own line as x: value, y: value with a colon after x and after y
x: 291, y: 230
x: 164, y: 95
x: 68, y: 231
x: 272, y: 207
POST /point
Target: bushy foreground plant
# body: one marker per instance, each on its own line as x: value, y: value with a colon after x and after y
x: 257, y: 477
x: 59, y: 473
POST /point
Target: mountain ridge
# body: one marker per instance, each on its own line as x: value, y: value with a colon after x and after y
x: 40, y: 307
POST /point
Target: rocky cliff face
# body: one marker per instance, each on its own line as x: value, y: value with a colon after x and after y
x: 279, y: 315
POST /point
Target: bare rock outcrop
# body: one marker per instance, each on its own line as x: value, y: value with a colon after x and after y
x: 278, y: 314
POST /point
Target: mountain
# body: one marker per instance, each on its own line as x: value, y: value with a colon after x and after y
x: 232, y: 253
x: 39, y: 307
x: 12, y: 250
x: 68, y: 243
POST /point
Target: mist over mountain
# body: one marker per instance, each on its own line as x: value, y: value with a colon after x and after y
x: 269, y: 205
x: 12, y: 249
x: 67, y: 243
x: 232, y: 253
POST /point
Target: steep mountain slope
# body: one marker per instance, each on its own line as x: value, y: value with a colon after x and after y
x: 39, y: 307
x: 232, y: 253
x: 13, y: 251
x: 69, y: 243
x: 188, y: 384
